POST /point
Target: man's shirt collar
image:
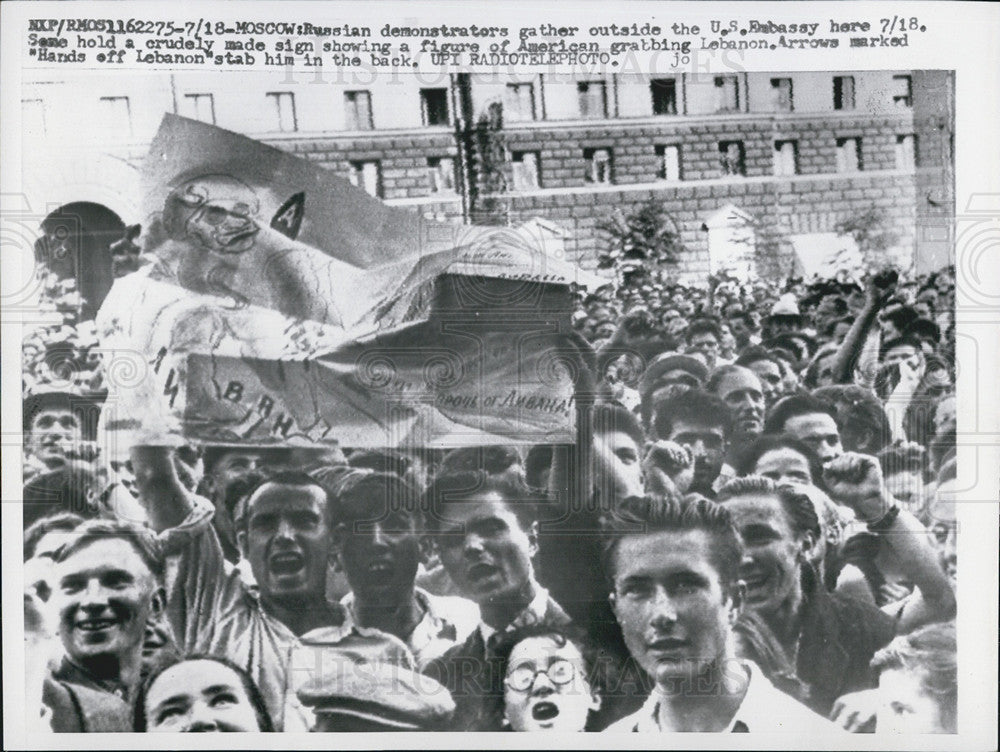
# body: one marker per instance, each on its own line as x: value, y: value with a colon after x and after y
x: 534, y: 613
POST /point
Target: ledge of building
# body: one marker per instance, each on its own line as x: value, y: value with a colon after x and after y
x: 661, y: 185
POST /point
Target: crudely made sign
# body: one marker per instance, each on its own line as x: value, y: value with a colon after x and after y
x: 282, y: 304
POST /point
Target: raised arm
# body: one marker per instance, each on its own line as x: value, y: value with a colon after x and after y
x: 856, y: 480
x: 166, y: 501
x: 878, y: 290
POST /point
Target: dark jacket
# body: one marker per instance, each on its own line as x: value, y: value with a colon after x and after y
x: 837, y: 639
x: 77, y: 709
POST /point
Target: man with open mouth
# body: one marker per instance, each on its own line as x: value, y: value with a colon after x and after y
x: 674, y: 571
x: 486, y: 531
x: 284, y: 532
x: 107, y: 590
x: 549, y: 681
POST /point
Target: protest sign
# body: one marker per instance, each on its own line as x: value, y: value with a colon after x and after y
x: 282, y: 304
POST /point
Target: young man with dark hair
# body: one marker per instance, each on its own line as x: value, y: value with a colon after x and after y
x: 674, y: 572
x: 827, y: 639
x: 378, y: 538
x: 222, y: 466
x: 810, y: 420
x: 904, y: 347
x: 701, y: 422
x: 617, y: 452
x: 52, y: 429
x: 285, y: 533
x: 894, y: 321
x: 861, y: 420
x: 486, y: 532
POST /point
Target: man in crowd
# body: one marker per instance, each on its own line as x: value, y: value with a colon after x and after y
x: 486, y: 532
x: 825, y: 639
x: 767, y: 368
x: 617, y: 453
x: 52, y: 430
x: 810, y: 420
x: 862, y: 422
x: 59, y: 472
x: 674, y: 570
x: 894, y: 321
x: 107, y: 589
x: 222, y: 466
x: 741, y: 391
x: 668, y: 375
x: 284, y: 531
x: 379, y: 547
x: 704, y: 338
x: 701, y: 422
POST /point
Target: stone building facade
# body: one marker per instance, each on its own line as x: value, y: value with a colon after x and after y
x: 790, y: 154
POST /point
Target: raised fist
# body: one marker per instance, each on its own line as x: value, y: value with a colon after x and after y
x: 856, y: 481
x: 668, y: 466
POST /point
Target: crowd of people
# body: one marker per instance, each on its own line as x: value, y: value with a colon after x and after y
x: 754, y: 533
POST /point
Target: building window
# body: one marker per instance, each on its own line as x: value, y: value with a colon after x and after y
x: 527, y: 172
x: 285, y: 120
x: 668, y: 157
x: 664, y: 91
x: 367, y: 175
x: 434, y: 106
x: 906, y: 152
x: 732, y: 158
x: 848, y: 155
x: 786, y: 157
x: 33, y: 117
x: 358, y: 111
x: 442, y: 174
x: 902, y: 91
x: 781, y: 94
x: 599, y: 165
x: 593, y: 96
x: 843, y: 92
x: 519, y: 103
x: 727, y: 94
x: 116, y: 116
x: 199, y: 107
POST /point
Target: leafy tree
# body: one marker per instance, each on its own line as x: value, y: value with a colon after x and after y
x: 642, y: 245
x: 870, y: 233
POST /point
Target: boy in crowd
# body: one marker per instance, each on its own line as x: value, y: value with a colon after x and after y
x: 486, y: 531
x: 674, y: 569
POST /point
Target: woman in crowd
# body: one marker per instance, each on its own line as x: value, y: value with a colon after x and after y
x: 200, y: 693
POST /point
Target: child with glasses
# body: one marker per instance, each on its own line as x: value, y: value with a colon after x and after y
x: 549, y: 680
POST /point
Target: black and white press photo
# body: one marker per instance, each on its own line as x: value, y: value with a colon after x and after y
x: 617, y: 388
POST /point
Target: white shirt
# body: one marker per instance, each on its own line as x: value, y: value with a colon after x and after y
x: 533, y: 614
x: 764, y: 710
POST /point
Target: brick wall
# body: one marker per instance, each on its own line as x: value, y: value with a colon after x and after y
x: 402, y: 158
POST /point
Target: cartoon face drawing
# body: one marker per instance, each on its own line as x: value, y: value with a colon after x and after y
x: 218, y: 212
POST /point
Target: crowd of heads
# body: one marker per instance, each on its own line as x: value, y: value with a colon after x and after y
x: 725, y: 427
